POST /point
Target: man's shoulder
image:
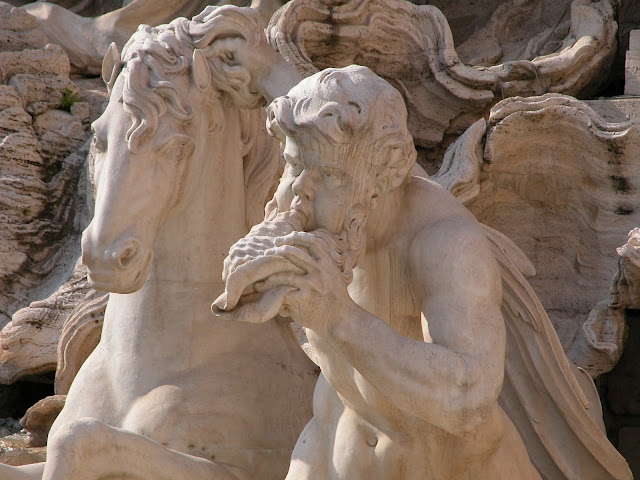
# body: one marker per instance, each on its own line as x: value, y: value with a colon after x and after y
x: 438, y: 218
x: 448, y: 242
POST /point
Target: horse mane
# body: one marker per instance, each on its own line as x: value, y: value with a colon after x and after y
x: 155, y: 54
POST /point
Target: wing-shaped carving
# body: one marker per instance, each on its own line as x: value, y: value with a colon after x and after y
x: 562, y: 183
x: 554, y: 412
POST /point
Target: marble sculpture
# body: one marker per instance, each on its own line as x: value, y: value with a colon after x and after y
x: 437, y: 359
x: 168, y: 381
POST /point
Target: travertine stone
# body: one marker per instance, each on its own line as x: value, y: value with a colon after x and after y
x: 50, y: 60
x: 565, y: 192
x: 38, y: 419
x: 48, y: 89
x: 79, y: 336
x: 632, y: 66
x: 19, y: 30
x: 600, y: 342
x: 29, y: 343
x: 40, y: 168
x: 412, y: 47
x: 430, y: 285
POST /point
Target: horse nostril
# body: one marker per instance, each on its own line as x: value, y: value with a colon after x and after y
x: 127, y: 255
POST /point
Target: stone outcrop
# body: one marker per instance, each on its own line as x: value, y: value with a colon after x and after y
x: 38, y: 419
x: 44, y: 193
x: 599, y: 343
x: 561, y: 181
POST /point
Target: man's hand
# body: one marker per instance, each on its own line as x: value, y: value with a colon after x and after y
x: 319, y: 292
x: 310, y: 295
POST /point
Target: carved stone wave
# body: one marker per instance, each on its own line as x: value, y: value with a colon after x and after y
x: 412, y: 47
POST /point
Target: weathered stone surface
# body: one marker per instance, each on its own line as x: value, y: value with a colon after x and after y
x: 18, y: 456
x: 9, y: 97
x: 29, y: 343
x: 565, y: 192
x: 632, y: 66
x: 561, y: 181
x: 600, y: 341
x: 41, y: 161
x: 50, y: 60
x: 40, y: 88
x: 19, y: 30
x: 39, y: 417
x: 411, y: 46
x: 79, y: 336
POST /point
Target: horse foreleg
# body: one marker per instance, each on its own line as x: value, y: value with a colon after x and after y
x: 88, y: 449
x: 26, y: 472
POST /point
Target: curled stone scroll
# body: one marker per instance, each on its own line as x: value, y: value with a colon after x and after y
x: 412, y: 47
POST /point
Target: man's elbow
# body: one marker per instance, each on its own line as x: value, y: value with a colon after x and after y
x: 472, y: 406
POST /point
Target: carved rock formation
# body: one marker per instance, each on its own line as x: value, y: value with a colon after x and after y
x: 600, y: 341
x: 29, y: 343
x: 79, y: 336
x: 38, y: 419
x: 44, y: 193
x: 412, y: 47
x: 40, y: 171
x: 561, y: 182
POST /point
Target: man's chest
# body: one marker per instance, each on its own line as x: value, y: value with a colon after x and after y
x: 382, y: 285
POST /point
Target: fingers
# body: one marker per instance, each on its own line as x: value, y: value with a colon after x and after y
x: 249, y: 273
x: 298, y: 257
x: 317, y: 248
x: 267, y: 306
x: 298, y: 282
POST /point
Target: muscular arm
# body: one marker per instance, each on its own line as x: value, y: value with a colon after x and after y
x: 453, y: 382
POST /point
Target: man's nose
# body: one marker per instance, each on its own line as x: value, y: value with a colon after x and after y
x: 303, y: 185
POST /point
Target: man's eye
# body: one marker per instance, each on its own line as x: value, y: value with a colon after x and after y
x: 331, y: 177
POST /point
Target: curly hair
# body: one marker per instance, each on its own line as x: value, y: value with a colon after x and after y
x: 154, y: 58
x: 354, y: 112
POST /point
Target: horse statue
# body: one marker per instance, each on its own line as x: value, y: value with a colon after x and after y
x: 170, y: 391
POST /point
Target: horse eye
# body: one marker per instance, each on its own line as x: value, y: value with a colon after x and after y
x: 177, y: 153
x: 98, y: 144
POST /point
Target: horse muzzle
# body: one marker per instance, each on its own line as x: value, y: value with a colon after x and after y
x: 121, y: 267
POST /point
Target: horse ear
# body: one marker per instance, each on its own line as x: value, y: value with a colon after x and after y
x: 111, y: 65
x: 200, y: 69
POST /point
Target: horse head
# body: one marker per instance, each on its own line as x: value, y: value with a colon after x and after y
x: 166, y: 97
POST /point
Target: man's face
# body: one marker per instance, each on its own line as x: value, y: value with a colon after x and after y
x: 320, y: 186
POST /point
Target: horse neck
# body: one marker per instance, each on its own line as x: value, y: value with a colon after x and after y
x: 173, y: 306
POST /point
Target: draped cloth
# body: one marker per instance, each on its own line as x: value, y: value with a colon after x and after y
x: 541, y: 393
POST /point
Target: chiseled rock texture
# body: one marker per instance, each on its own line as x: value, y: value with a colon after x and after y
x: 43, y: 192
